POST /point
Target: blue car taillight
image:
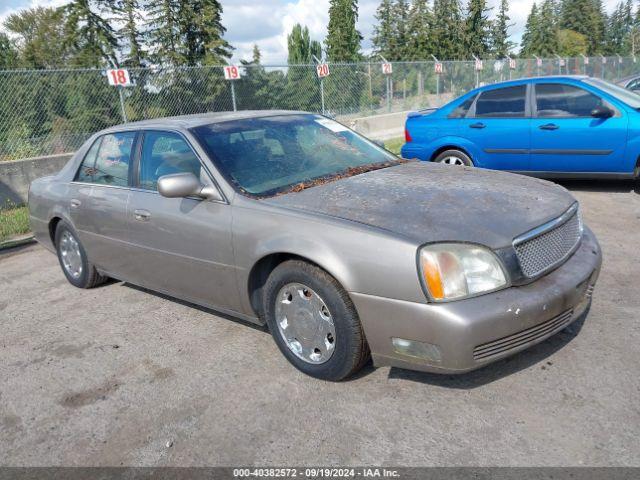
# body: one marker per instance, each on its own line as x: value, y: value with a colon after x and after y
x: 407, y: 135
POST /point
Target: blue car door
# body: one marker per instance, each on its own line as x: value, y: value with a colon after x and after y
x: 565, y: 137
x: 497, y: 124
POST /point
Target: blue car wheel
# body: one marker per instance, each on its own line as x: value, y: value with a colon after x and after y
x: 454, y: 157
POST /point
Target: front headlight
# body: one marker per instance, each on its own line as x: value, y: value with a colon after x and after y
x: 457, y: 270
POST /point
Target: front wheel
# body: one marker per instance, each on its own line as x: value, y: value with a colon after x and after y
x: 314, y: 322
x: 454, y: 157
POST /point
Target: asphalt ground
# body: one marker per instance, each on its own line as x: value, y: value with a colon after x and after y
x: 122, y: 376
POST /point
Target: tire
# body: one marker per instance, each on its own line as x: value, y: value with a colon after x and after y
x: 346, y: 349
x: 448, y: 157
x: 75, y: 264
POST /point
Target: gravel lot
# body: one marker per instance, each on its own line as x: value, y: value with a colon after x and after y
x: 122, y: 376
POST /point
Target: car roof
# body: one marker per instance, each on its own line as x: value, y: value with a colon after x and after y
x: 518, y: 81
x: 198, y: 119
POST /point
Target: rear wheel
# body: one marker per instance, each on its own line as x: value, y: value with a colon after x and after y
x: 73, y: 259
x: 454, y: 157
x: 314, y: 322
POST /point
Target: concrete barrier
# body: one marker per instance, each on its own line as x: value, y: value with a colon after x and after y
x: 380, y: 127
x: 16, y: 175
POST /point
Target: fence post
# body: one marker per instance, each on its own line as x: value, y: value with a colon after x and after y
x: 122, y: 109
x: 233, y: 96
x: 388, y: 93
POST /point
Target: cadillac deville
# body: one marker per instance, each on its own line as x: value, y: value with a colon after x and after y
x: 344, y: 250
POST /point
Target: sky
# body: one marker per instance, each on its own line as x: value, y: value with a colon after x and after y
x: 267, y: 22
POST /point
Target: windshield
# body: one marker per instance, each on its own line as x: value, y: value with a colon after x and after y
x: 627, y: 96
x: 269, y: 155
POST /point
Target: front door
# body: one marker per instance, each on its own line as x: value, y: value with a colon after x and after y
x: 182, y: 245
x: 498, y: 125
x: 566, y: 138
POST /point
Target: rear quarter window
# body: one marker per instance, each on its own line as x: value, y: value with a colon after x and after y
x: 461, y: 110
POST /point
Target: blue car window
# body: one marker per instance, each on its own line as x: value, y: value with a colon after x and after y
x: 506, y: 102
x: 556, y: 100
x: 461, y: 110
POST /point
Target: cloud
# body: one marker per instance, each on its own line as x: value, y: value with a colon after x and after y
x: 13, y: 6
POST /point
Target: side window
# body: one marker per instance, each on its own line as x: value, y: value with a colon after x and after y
x: 113, y: 159
x: 634, y: 85
x: 506, y: 102
x: 87, y: 168
x: 555, y: 100
x: 461, y: 110
x: 164, y: 153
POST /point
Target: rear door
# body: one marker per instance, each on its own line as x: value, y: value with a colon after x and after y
x: 98, y: 201
x: 182, y: 245
x: 566, y: 138
x: 498, y: 125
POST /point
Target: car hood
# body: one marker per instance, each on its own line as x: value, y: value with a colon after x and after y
x: 429, y: 202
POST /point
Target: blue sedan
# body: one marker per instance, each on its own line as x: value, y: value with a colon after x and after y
x: 567, y: 126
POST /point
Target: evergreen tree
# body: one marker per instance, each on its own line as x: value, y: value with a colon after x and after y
x: 400, y: 37
x: 301, y: 89
x: 164, y: 33
x: 384, y: 31
x: 91, y: 37
x: 500, y: 43
x: 547, y: 38
x: 448, y: 30
x: 529, y: 37
x: 128, y: 14
x: 188, y: 32
x: 301, y: 49
x: 343, y: 39
x: 477, y: 29
x: 616, y: 31
x: 585, y: 17
x: 420, y: 25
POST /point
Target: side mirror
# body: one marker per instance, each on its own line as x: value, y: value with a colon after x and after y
x: 602, y: 112
x: 177, y: 185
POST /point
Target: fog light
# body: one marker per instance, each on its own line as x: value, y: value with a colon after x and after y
x: 412, y: 348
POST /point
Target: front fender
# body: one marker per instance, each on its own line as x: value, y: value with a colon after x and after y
x: 362, y: 259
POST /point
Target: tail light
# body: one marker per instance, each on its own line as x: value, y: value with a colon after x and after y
x: 407, y: 135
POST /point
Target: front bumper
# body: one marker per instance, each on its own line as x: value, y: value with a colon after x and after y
x: 474, y: 332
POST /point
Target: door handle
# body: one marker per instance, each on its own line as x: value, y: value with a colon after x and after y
x: 75, y: 203
x: 549, y: 126
x: 142, y: 215
x: 477, y: 125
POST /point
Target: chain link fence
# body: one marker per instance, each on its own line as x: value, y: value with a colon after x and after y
x: 49, y: 112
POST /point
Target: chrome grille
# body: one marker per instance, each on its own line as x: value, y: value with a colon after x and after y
x: 501, y: 345
x: 548, y: 245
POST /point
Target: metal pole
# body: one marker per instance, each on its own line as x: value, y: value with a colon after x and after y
x: 388, y: 93
x: 322, y: 94
x: 370, y: 86
x: 124, y: 113
x: 233, y: 96
x: 437, y: 80
x: 537, y: 66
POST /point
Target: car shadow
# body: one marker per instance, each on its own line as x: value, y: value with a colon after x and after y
x: 538, y: 354
x: 197, y: 307
x: 616, y: 186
